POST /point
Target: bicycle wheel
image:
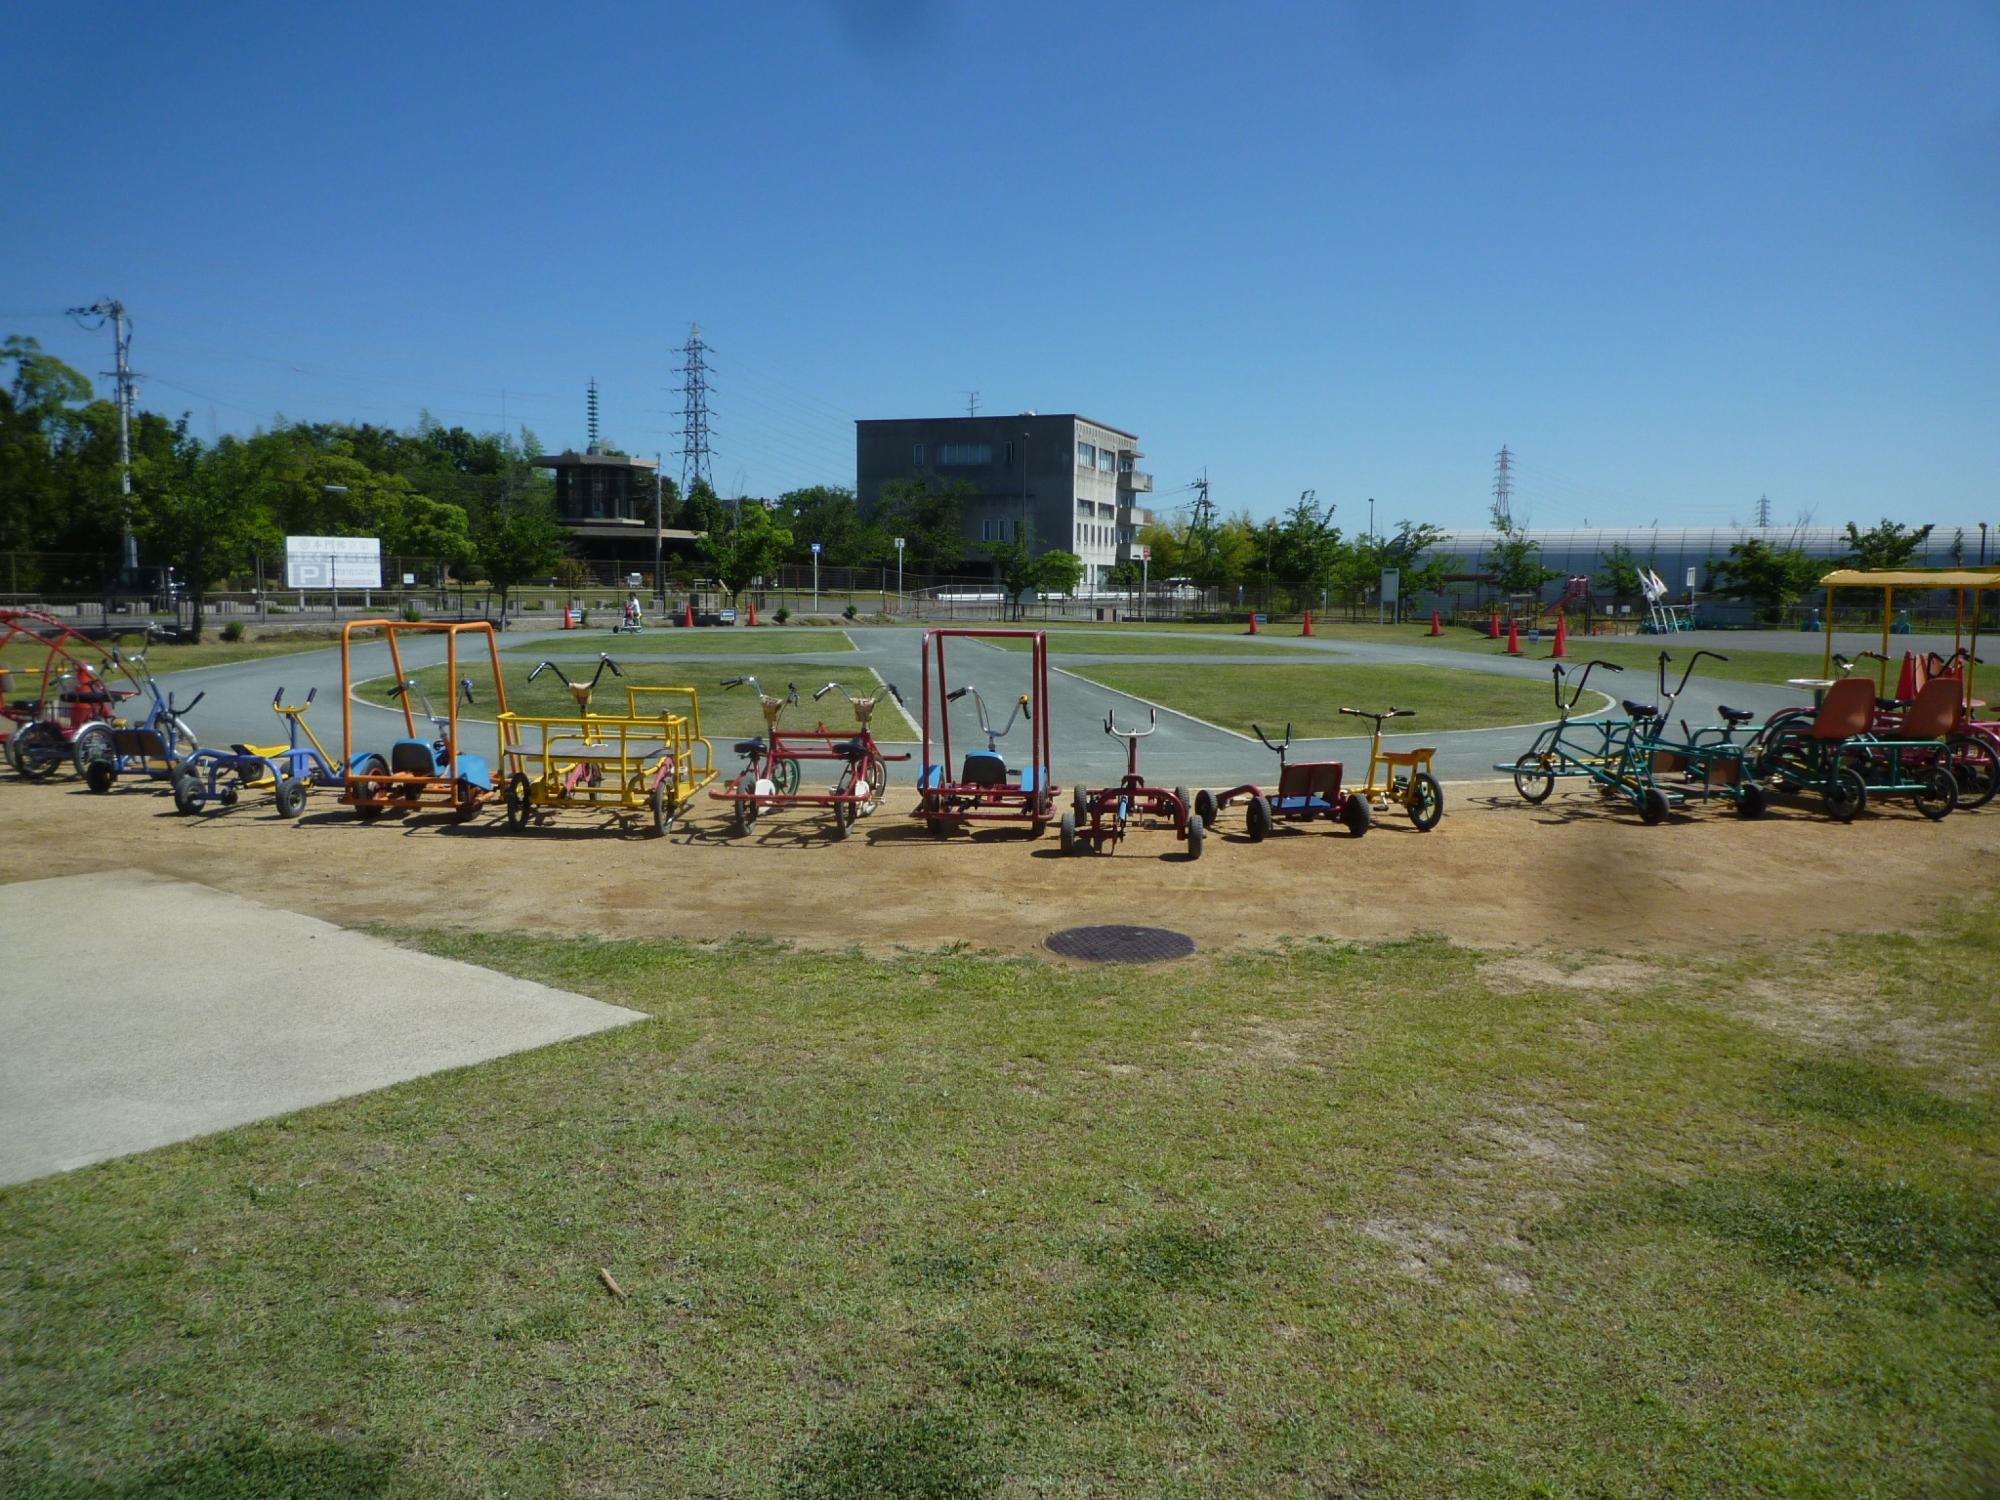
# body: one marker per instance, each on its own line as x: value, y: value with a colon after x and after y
x: 876, y: 775
x: 666, y: 807
x: 1205, y: 808
x: 92, y: 742
x: 1939, y: 794
x: 37, y: 749
x: 1533, y: 779
x: 1975, y: 766
x: 1426, y: 804
x: 1845, y: 794
x: 785, y: 776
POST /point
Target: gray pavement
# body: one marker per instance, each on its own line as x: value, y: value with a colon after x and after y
x: 1184, y: 750
x: 243, y: 1012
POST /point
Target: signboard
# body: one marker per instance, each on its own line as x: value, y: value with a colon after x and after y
x: 333, y: 562
x: 1144, y: 552
x: 1690, y: 577
x: 1392, y: 584
x: 815, y: 549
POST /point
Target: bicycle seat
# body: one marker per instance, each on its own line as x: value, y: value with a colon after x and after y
x: 849, y: 749
x: 1892, y: 705
x: 750, y: 747
x: 1735, y: 715
x: 1641, y: 710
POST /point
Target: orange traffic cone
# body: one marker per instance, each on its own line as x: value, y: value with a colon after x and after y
x: 1562, y: 636
x: 753, y: 614
x: 1513, y: 637
x: 1906, y: 680
x: 1253, y: 622
x: 688, y: 618
x: 569, y: 618
x: 1437, y: 625
x: 1307, y: 628
x: 1493, y: 626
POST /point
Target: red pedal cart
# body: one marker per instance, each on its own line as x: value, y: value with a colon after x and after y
x: 985, y: 789
x: 770, y: 776
x: 1308, y: 792
x: 1098, y: 819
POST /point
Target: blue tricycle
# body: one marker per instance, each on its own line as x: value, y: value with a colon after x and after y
x: 288, y: 771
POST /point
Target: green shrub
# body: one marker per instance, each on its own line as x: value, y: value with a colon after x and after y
x: 850, y: 612
x: 233, y: 631
x: 781, y: 614
x: 412, y: 613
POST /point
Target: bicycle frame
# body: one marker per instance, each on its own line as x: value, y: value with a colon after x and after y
x: 984, y: 790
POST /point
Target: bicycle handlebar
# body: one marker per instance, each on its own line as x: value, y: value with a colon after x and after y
x: 1111, y: 728
x: 1394, y: 713
x: 1280, y: 749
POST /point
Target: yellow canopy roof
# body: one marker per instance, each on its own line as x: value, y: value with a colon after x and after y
x: 1912, y: 578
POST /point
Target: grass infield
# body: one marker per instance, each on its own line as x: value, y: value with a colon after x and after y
x: 684, y: 643
x: 1405, y: 1219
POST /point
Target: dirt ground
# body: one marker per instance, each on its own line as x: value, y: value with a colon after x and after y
x: 1575, y: 872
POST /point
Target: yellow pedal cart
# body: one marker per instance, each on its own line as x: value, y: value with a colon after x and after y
x: 649, y: 760
x: 1406, y: 781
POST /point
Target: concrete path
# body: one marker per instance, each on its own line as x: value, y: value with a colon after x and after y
x: 243, y: 1012
x: 1185, y: 750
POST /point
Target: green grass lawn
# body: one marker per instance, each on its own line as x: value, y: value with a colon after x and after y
x: 1331, y: 1220
x: 1106, y: 643
x: 1312, y: 695
x: 725, y: 714
x: 687, y: 643
x: 24, y: 659
x: 1637, y: 655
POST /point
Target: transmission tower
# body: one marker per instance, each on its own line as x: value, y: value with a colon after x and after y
x: 111, y: 310
x: 1503, y: 488
x: 590, y: 413
x: 1763, y: 511
x: 696, y: 460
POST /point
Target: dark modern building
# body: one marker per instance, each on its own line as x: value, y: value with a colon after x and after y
x: 606, y: 502
x: 1069, y: 482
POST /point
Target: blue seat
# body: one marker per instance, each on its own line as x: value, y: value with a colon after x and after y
x: 933, y: 776
x: 1027, y: 778
x: 984, y: 768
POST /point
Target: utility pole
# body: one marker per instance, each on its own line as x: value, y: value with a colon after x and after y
x: 696, y: 460
x: 1503, y: 489
x: 971, y: 403
x: 659, y: 522
x: 110, y: 309
x: 1022, y: 530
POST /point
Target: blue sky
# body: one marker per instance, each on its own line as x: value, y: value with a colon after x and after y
x: 1674, y: 256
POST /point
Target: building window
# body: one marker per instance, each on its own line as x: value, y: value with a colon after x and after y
x: 964, y: 455
x: 1010, y: 455
x: 917, y: 455
x: 1107, y: 461
x: 1086, y: 456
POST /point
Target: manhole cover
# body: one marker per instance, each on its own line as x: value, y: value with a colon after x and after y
x: 1120, y: 945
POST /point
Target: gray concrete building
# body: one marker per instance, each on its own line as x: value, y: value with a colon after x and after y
x: 1064, y: 480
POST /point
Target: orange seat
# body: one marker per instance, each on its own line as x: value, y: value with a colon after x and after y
x: 1847, y: 710
x: 1933, y: 713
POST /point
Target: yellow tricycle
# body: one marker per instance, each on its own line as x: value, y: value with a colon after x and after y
x: 1406, y: 781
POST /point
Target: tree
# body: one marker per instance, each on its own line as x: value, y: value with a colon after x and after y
x: 197, y: 513
x: 753, y: 547
x: 519, y: 545
x: 827, y: 514
x: 1887, y: 544
x: 1768, y: 576
x: 1622, y: 575
x: 1303, y: 546
x: 1021, y: 570
x: 703, y: 509
x: 929, y: 515
x: 1406, y: 551
x: 1514, y: 565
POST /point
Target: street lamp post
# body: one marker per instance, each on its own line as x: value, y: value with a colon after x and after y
x: 815, y: 577
x: 659, y: 539
x: 899, y: 575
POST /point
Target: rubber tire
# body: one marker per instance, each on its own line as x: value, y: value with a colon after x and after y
x: 290, y: 796
x: 1426, y: 803
x: 467, y: 808
x: 518, y: 794
x: 843, y: 819
x: 187, y: 793
x: 1752, y: 801
x: 876, y: 774
x: 100, y: 776
x: 228, y: 795
x: 368, y: 787
x: 1354, y: 814
x: 1975, y: 765
x: 1533, y: 779
x: 1850, y: 799
x: 1187, y: 804
x: 1653, y: 807
x: 1195, y: 834
x: 785, y: 777
x: 1079, y: 804
x: 92, y: 742
x: 1257, y: 819
x: 37, y: 749
x: 666, y: 807
x: 1068, y: 833
x: 745, y: 812
x: 1940, y: 794
x: 1205, y: 808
